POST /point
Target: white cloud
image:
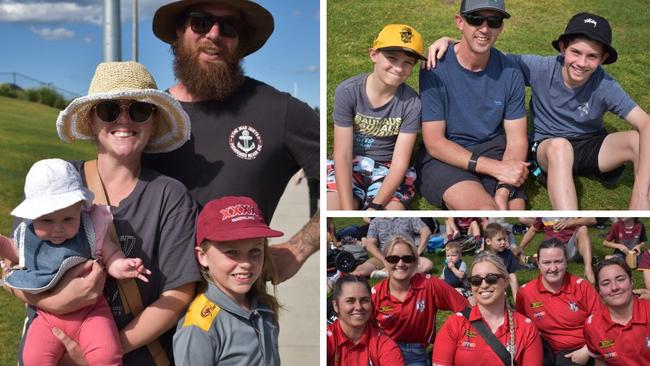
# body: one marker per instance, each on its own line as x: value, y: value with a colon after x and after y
x: 42, y: 12
x: 296, y: 13
x: 87, y: 40
x: 311, y: 68
x: 53, y: 34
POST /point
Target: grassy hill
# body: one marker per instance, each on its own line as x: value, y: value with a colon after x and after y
x: 28, y: 134
x: 352, y: 26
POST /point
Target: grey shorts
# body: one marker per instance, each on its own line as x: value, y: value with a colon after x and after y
x: 435, y: 177
x: 572, y: 248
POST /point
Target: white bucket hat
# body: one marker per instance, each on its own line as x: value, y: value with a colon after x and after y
x: 51, y: 185
x: 126, y: 80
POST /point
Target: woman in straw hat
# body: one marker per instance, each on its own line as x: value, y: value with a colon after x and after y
x: 125, y: 115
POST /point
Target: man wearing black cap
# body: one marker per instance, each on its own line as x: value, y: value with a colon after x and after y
x: 571, y: 93
x: 473, y: 119
x: 248, y: 138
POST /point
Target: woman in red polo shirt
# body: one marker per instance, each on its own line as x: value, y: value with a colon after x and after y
x: 406, y: 302
x: 459, y: 343
x: 353, y: 339
x: 558, y: 303
x: 619, y: 333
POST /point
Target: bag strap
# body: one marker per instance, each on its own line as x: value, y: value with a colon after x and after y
x: 127, y: 288
x: 492, y: 341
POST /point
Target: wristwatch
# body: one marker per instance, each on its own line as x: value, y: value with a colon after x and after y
x: 376, y: 206
x: 511, y: 189
x: 471, y: 164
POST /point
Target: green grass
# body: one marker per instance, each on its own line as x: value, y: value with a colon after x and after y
x: 352, y: 26
x: 28, y: 134
x: 524, y: 275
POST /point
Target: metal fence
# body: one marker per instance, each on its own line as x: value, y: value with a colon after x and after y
x: 28, y: 82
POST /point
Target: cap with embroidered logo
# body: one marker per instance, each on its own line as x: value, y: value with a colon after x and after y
x: 400, y: 37
x: 593, y: 27
x: 232, y: 218
x: 470, y: 6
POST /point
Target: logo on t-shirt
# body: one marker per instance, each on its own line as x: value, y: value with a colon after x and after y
x: 419, y: 305
x: 245, y: 142
x: 573, y: 306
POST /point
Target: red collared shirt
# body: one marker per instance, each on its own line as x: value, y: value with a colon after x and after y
x: 458, y: 343
x: 559, y: 316
x: 374, y: 348
x: 414, y: 319
x: 618, y: 344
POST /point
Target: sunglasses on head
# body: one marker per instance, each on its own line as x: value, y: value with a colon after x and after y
x: 490, y: 279
x: 109, y: 111
x: 477, y: 20
x: 394, y: 259
x: 201, y: 23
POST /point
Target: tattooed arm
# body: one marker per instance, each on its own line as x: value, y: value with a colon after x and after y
x: 291, y: 255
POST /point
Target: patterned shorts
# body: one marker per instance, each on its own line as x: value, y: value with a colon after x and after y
x: 367, y: 177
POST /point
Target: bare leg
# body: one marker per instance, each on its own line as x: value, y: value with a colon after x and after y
x: 584, y: 248
x: 555, y: 156
x: 468, y: 195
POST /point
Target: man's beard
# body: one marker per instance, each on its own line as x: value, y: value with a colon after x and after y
x: 207, y: 80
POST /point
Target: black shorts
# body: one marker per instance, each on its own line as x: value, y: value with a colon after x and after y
x: 435, y: 177
x: 585, y: 157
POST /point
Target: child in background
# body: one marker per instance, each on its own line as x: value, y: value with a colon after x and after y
x: 233, y: 320
x: 61, y: 229
x: 496, y: 242
x: 376, y: 121
x: 455, y: 271
x: 626, y: 235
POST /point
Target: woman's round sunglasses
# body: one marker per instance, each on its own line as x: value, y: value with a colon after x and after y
x: 394, y: 259
x: 490, y: 279
x: 109, y: 111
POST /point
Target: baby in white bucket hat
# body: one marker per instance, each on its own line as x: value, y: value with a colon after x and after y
x: 60, y: 229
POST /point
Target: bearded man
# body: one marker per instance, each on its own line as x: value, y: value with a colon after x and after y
x: 248, y: 138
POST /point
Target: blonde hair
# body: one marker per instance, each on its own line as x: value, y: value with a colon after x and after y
x: 258, y: 290
x: 501, y: 268
x: 399, y: 240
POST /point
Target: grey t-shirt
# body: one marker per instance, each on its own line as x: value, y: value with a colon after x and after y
x: 155, y: 222
x: 375, y: 129
x: 558, y: 110
x: 384, y: 228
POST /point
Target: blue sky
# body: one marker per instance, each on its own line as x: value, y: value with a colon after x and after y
x: 61, y: 42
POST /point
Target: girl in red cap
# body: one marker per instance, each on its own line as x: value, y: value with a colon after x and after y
x: 234, y: 320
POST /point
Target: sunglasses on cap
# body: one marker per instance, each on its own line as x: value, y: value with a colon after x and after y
x: 201, y: 23
x: 477, y: 20
x: 394, y: 259
x: 490, y: 279
x: 109, y: 111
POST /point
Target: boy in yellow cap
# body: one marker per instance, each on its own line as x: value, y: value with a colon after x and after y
x: 376, y: 121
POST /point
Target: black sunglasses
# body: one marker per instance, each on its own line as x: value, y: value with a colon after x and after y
x: 201, y: 23
x: 490, y: 279
x: 394, y: 259
x: 109, y: 111
x: 477, y: 20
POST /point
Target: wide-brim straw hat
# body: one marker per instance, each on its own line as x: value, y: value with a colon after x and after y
x: 126, y: 80
x: 258, y: 22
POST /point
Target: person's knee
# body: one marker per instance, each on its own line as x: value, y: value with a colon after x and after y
x: 559, y: 152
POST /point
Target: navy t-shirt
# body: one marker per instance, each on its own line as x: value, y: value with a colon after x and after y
x: 473, y: 104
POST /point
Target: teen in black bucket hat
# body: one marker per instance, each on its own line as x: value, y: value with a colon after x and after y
x: 593, y: 27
